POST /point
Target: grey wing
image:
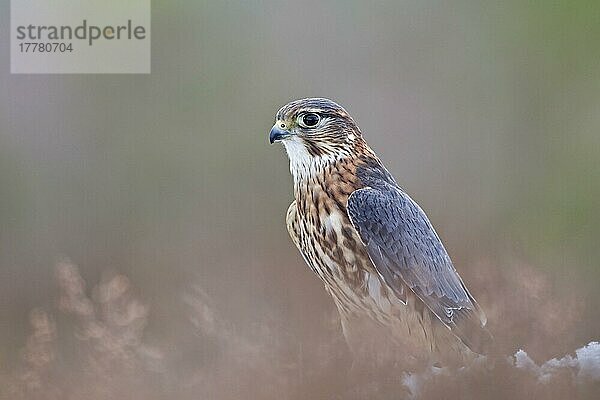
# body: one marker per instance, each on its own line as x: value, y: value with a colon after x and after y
x: 407, y: 251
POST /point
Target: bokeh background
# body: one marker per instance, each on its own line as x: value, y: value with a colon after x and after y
x: 162, y: 193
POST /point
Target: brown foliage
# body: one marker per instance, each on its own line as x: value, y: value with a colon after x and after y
x: 91, y: 346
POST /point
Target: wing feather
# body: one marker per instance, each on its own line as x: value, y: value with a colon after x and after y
x: 406, y: 250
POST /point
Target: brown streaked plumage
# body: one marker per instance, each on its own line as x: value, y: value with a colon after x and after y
x: 372, y: 246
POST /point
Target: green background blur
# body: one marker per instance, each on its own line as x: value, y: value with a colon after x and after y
x: 488, y: 114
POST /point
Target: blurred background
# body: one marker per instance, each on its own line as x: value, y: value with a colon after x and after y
x: 162, y: 194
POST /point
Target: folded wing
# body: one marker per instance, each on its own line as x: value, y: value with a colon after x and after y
x: 407, y: 251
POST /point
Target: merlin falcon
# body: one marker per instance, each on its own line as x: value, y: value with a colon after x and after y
x: 372, y: 246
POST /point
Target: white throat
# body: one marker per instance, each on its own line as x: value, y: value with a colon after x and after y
x: 303, y: 165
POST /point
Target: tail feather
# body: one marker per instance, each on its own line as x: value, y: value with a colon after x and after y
x: 469, y: 327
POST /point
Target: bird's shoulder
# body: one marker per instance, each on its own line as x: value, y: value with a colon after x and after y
x: 372, y: 174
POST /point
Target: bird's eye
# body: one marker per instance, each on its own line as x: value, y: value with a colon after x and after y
x: 309, y: 120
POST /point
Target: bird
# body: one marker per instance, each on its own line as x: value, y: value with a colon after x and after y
x: 372, y: 246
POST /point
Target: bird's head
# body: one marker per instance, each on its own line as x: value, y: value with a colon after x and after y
x: 315, y: 131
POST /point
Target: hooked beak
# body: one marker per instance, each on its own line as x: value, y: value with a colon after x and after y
x: 277, y: 134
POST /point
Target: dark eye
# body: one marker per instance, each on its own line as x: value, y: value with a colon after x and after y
x: 310, y: 119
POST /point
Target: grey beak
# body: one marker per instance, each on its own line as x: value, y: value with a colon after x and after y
x: 277, y: 134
